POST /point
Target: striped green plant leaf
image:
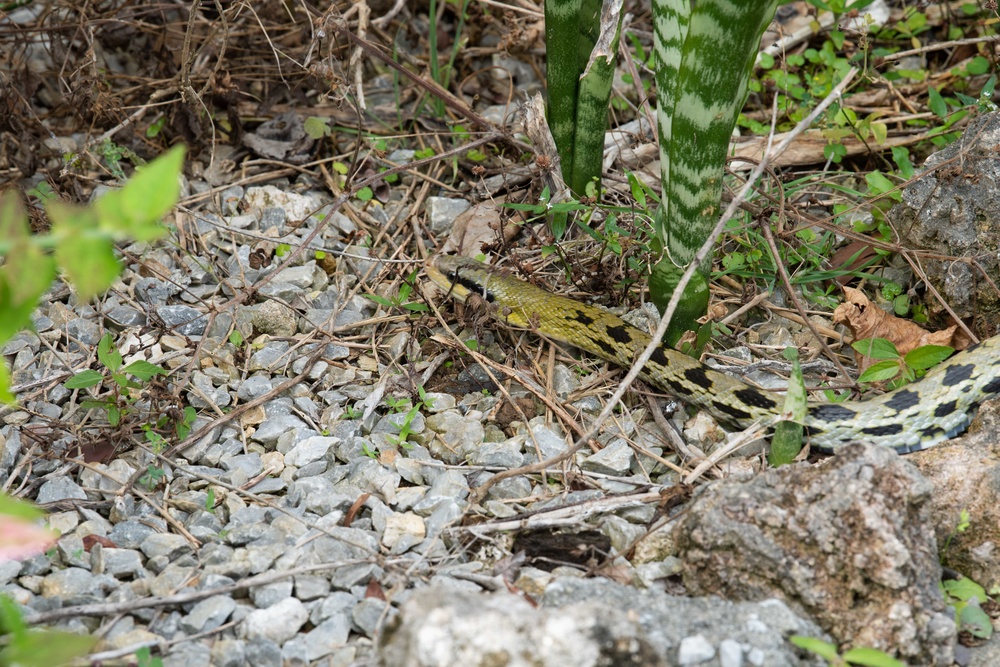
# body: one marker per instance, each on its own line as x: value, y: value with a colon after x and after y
x: 593, y: 99
x: 702, y: 97
x: 670, y: 27
x: 569, y: 28
x: 581, y: 41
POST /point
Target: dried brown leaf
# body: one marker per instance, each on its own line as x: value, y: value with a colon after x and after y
x: 479, y: 226
x: 866, y: 320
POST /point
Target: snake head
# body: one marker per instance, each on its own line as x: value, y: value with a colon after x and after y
x: 459, y: 276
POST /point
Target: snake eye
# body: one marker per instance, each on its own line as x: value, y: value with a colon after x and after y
x: 453, y: 276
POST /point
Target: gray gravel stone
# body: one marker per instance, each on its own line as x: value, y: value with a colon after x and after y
x: 208, y: 614
x: 220, y: 451
x: 72, y: 551
x: 274, y: 319
x: 9, y: 569
x: 269, y: 432
x: 505, y: 454
x: 438, y: 402
x: 393, y: 423
x: 166, y: 544
x: 326, y: 637
x: 694, y: 650
x: 549, y: 443
x: 445, y: 514
x: 294, y: 652
x: 320, y: 496
x: 262, y: 556
x: 228, y: 653
x: 448, y: 488
x: 251, y: 464
x: 123, y: 317
x: 269, y: 357
x: 154, y: 291
x: 730, y: 653
x: 269, y: 485
x: 311, y: 586
x: 457, y: 435
x: 186, y: 654
x: 273, y: 217
x: 311, y: 449
x: 61, y: 488
x: 403, y: 531
x: 268, y: 595
x: 208, y: 395
x: 410, y: 470
x: 262, y: 652
x: 284, y: 292
x: 369, y: 475
x: 336, y: 352
x: 337, y: 604
x: 512, y: 487
x: 442, y: 211
x: 245, y: 525
x: 614, y: 458
x: 300, y: 276
x: 120, y: 563
x: 370, y: 613
x: 564, y: 381
x: 254, y: 387
x: 68, y: 583
x: 277, y: 623
x: 184, y: 320
x: 171, y: 579
x: 230, y: 198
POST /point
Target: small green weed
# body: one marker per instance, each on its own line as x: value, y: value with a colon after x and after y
x: 43, y: 192
x: 967, y: 598
x: 896, y: 368
x: 863, y: 657
x: 545, y: 208
x: 806, y: 258
x: 156, y: 127
x: 152, y: 477
x: 317, y: 127
x: 411, y: 414
x: 180, y: 422
x: 401, y: 300
x: 965, y: 595
x: 402, y: 406
x: 113, y: 155
x: 119, y: 400
x: 788, y: 433
x: 145, y: 658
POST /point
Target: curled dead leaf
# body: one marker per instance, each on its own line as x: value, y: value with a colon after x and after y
x: 866, y: 320
x: 479, y: 226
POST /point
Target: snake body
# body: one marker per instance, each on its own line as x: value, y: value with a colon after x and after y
x: 936, y: 408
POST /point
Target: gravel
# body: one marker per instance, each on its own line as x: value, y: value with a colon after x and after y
x: 320, y: 524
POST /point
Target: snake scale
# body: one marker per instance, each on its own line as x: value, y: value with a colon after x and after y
x: 915, y: 417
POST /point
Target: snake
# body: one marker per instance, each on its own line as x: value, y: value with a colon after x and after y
x: 911, y: 418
